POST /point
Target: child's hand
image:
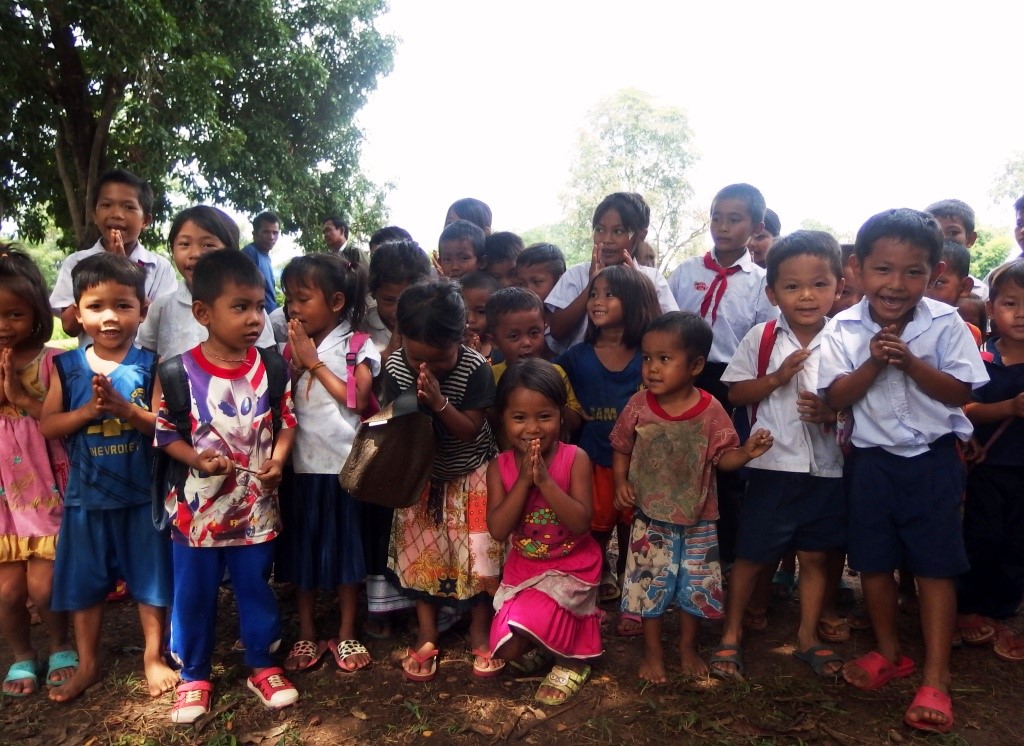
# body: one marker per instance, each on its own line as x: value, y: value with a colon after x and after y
x: 972, y: 452
x: 758, y: 443
x: 3, y: 379
x: 10, y: 385
x: 526, y: 468
x: 624, y: 496
x: 212, y: 462
x: 813, y: 409
x: 877, y: 349
x: 428, y: 390
x: 1018, y: 405
x: 437, y: 264
x: 304, y: 353
x: 540, y: 469
x: 596, y: 265
x: 270, y: 473
x: 109, y: 400
x: 896, y: 352
x: 627, y: 259
x: 793, y: 364
x: 472, y: 340
x: 115, y: 242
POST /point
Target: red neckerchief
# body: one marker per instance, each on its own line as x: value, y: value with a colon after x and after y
x: 713, y: 297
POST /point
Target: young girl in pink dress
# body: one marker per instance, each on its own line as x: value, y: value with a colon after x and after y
x: 539, y: 498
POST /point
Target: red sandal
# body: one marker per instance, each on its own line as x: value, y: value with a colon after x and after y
x: 881, y: 671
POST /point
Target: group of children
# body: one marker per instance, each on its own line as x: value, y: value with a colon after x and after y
x: 714, y: 420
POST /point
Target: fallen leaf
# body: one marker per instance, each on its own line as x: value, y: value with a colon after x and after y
x: 443, y: 695
x: 315, y: 720
x: 428, y: 733
x: 357, y: 713
x: 895, y: 737
x: 483, y: 730
x: 92, y: 741
x: 561, y: 727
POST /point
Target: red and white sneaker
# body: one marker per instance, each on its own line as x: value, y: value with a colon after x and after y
x: 273, y: 689
x: 191, y: 701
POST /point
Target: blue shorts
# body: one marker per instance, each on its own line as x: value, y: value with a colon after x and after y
x: 905, y: 512
x: 789, y: 510
x: 96, y: 548
x: 669, y: 564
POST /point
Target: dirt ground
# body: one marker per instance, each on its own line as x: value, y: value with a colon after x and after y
x: 781, y: 701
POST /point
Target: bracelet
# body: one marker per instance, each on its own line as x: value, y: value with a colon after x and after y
x: 443, y: 407
x: 319, y: 364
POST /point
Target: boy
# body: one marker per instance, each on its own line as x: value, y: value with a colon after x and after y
x: 501, y: 250
x: 394, y: 266
x: 99, y: 402
x: 956, y: 218
x: 906, y: 364
x: 121, y: 210
x: 955, y: 281
x: 850, y: 294
x: 266, y: 229
x: 794, y: 497
x: 763, y: 239
x: 477, y: 288
x: 226, y: 513
x: 539, y: 268
x: 459, y: 249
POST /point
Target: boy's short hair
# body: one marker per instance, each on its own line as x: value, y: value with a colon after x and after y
x: 956, y: 258
x: 750, y: 195
x: 463, y: 230
x: 543, y: 253
x: 503, y: 246
x: 265, y: 217
x: 804, y: 243
x: 217, y: 269
x: 388, y: 233
x: 693, y: 334
x: 432, y: 313
x: 903, y: 224
x: 108, y: 267
x: 846, y: 251
x: 1019, y: 204
x: 479, y: 280
x: 1001, y: 276
x: 955, y: 209
x: 338, y: 223
x: 772, y: 224
x: 511, y: 300
x: 120, y: 176
x: 398, y: 263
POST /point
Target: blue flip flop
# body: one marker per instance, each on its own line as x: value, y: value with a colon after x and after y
x: 60, y: 659
x: 22, y: 670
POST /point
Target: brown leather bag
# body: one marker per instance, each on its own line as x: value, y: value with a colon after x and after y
x: 392, y: 455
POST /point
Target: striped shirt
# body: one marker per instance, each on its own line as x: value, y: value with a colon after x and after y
x: 469, y: 385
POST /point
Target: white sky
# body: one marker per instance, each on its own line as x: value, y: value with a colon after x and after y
x: 835, y: 111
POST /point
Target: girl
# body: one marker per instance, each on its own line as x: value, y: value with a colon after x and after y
x: 620, y: 227
x: 33, y: 474
x: 440, y: 548
x: 321, y: 546
x: 604, y: 372
x: 540, y: 494
x: 169, y: 328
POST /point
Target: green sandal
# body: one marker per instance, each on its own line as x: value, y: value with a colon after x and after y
x: 22, y: 670
x: 60, y: 659
x: 565, y: 680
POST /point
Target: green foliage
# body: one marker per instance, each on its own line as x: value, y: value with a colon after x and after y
x: 241, y: 102
x: 1009, y: 185
x: 812, y: 224
x: 988, y: 252
x: 576, y: 246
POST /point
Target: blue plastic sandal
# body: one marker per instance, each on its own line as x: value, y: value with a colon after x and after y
x: 20, y: 671
x: 60, y: 659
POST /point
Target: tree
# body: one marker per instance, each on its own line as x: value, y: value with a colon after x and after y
x: 247, y: 102
x: 630, y: 145
x: 988, y: 252
x: 1009, y: 184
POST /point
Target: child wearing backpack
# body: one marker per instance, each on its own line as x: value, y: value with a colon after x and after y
x: 322, y: 547
x: 224, y: 510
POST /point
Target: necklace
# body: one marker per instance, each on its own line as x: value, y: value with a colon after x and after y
x: 218, y: 357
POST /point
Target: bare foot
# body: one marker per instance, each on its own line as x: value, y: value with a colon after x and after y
x: 160, y: 677
x: 653, y: 671
x: 86, y: 675
x: 692, y: 664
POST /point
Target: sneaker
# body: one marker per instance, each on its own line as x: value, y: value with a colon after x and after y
x: 273, y: 689
x: 191, y: 701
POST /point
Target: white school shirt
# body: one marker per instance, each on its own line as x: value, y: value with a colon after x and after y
x: 326, y: 427
x: 798, y: 446
x: 895, y: 414
x: 575, y: 281
x: 743, y: 305
x: 159, y: 279
x: 170, y: 329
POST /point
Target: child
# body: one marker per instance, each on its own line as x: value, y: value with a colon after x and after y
x: 226, y: 514
x: 440, y: 548
x: 32, y: 479
x: 794, y: 497
x: 539, y: 268
x: 674, y: 434
x: 121, y: 210
x: 477, y: 288
x: 538, y: 495
x: 993, y: 521
x: 620, y: 226
x: 604, y: 371
x: 974, y: 312
x: 459, y: 250
x: 394, y: 266
x: 499, y: 257
x: 169, y: 328
x: 906, y: 364
x: 955, y: 281
x: 99, y: 402
x: 388, y: 233
x: 761, y: 241
x: 956, y: 218
x: 321, y: 546
x: 472, y: 210
x: 850, y: 295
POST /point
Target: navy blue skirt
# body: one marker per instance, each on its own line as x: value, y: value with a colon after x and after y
x: 320, y: 545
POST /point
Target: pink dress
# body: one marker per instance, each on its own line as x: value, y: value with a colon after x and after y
x: 33, y: 473
x: 549, y: 586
